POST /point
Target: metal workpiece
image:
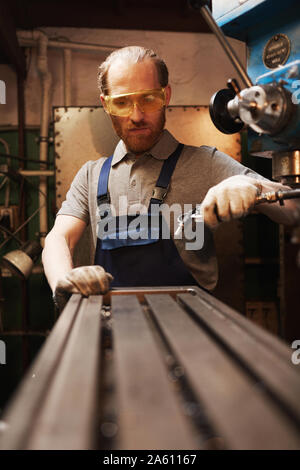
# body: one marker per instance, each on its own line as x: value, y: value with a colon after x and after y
x: 267, y: 109
x: 156, y: 368
x: 286, y: 167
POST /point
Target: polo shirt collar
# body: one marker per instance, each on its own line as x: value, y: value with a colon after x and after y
x: 161, y: 150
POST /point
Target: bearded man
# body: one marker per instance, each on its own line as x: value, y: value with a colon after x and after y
x: 148, y: 167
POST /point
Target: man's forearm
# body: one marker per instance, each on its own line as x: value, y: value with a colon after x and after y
x: 57, y: 258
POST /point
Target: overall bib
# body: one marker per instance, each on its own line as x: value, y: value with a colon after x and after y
x: 150, y: 259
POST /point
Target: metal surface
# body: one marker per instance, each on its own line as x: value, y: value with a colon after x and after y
x: 286, y: 167
x: 156, y: 368
x: 148, y: 412
x: 240, y: 18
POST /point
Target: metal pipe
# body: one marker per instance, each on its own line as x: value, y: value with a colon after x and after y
x: 16, y: 157
x: 205, y: 11
x: 21, y: 226
x: 29, y: 42
x: 40, y: 40
x: 274, y: 196
x: 281, y: 283
x: 24, y: 333
x: 36, y: 172
x: 7, y: 188
x: 22, y: 206
x: 5, y: 145
x: 42, y: 65
x: 67, y: 77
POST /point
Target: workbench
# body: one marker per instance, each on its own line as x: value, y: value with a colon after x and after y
x: 156, y: 368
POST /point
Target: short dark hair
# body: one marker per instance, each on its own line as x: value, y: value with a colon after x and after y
x: 133, y: 54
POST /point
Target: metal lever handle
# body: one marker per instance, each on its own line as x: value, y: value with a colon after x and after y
x: 201, y: 5
x: 233, y: 85
x: 274, y: 196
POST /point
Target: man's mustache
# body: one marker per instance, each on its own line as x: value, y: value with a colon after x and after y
x: 138, y: 126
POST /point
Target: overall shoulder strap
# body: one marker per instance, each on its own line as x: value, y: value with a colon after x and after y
x: 102, y: 191
x: 163, y: 181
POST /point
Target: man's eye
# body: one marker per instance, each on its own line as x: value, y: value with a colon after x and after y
x: 149, y: 98
x: 121, y: 102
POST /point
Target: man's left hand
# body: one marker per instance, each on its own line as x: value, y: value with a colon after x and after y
x: 232, y: 198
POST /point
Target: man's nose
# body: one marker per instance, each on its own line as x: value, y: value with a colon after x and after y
x: 136, y: 115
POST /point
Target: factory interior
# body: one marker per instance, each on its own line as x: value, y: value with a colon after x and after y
x: 51, y: 123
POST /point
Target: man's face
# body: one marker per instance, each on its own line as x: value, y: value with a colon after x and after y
x: 139, y: 131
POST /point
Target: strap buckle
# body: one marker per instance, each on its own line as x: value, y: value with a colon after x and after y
x: 104, y: 198
x: 159, y: 193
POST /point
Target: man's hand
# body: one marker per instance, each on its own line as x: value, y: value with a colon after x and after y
x: 232, y: 198
x: 87, y: 280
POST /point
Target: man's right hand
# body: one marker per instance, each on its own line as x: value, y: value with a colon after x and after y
x: 86, y: 280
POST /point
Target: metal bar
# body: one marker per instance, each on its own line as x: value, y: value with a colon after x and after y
x: 21, y: 226
x: 280, y: 377
x: 25, y: 42
x: 149, y: 416
x: 22, y: 214
x: 68, y: 416
x: 274, y: 196
x: 278, y: 347
x: 36, y: 172
x: 140, y: 292
x: 17, y: 157
x: 22, y: 410
x: 205, y: 11
x: 67, y: 77
x: 238, y: 408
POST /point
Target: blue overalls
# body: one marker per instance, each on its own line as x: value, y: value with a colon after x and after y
x: 149, y: 260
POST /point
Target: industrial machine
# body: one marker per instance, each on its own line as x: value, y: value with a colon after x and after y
x: 266, y: 98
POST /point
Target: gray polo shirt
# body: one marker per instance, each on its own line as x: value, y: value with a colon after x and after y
x: 133, y: 179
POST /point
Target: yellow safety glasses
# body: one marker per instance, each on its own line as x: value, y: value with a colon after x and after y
x: 148, y: 101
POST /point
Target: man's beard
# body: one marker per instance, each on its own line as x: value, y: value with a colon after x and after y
x: 138, y: 144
